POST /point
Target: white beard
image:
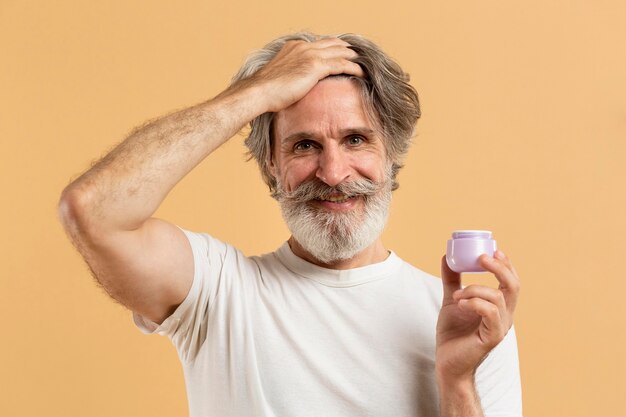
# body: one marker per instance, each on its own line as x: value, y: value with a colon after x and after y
x: 333, y: 236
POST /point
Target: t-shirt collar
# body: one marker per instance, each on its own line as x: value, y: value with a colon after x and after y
x: 337, y: 277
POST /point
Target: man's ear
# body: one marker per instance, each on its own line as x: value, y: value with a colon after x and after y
x: 271, y: 166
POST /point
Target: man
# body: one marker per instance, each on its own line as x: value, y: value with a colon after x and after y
x: 332, y: 323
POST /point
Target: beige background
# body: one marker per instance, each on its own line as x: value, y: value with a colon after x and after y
x: 523, y: 130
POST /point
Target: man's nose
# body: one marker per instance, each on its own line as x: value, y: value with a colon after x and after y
x: 334, y: 167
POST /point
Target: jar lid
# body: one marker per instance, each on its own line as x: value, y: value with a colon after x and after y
x: 471, y: 234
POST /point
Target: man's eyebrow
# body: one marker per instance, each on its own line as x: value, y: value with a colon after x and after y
x: 365, y: 131
x: 294, y: 137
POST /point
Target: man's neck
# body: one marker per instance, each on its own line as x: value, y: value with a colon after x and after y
x: 374, y: 253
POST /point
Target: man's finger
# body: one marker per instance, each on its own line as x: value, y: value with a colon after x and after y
x: 492, y: 295
x: 492, y: 329
x: 502, y: 256
x: 343, y: 66
x: 326, y: 42
x: 336, y: 52
x: 339, y: 60
x: 451, y: 281
x: 334, y: 58
x: 509, y: 283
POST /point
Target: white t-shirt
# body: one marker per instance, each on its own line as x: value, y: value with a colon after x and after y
x: 276, y: 336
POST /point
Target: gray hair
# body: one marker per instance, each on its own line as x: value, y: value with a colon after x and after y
x: 389, y: 100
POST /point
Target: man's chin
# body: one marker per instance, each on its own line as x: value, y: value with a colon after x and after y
x: 328, y: 254
x: 332, y: 242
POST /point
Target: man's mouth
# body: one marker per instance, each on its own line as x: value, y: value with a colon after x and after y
x: 337, y: 198
x: 339, y: 202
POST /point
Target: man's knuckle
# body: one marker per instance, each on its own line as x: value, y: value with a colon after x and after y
x: 472, y: 288
x: 500, y: 297
x: 294, y: 42
x: 493, y: 310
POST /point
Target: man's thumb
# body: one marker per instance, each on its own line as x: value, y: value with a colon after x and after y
x: 451, y: 281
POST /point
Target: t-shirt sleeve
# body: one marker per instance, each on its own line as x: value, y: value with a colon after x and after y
x: 187, y: 326
x: 498, y: 380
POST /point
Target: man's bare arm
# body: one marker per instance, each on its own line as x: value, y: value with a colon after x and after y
x: 107, y: 211
x: 145, y: 263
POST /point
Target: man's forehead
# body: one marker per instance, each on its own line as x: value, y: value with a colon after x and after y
x: 335, y: 106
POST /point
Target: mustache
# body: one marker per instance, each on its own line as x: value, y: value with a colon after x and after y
x: 316, y: 189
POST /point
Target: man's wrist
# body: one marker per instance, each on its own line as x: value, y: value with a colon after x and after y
x: 458, y: 397
x: 245, y: 99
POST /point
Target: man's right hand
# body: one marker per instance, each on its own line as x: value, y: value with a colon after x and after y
x: 297, y: 68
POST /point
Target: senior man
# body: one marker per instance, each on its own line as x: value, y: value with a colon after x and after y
x: 332, y: 324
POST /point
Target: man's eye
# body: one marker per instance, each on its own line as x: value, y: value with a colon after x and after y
x: 355, y: 140
x: 303, y: 146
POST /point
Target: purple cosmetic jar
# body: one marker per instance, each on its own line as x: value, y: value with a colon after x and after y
x: 465, y: 248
